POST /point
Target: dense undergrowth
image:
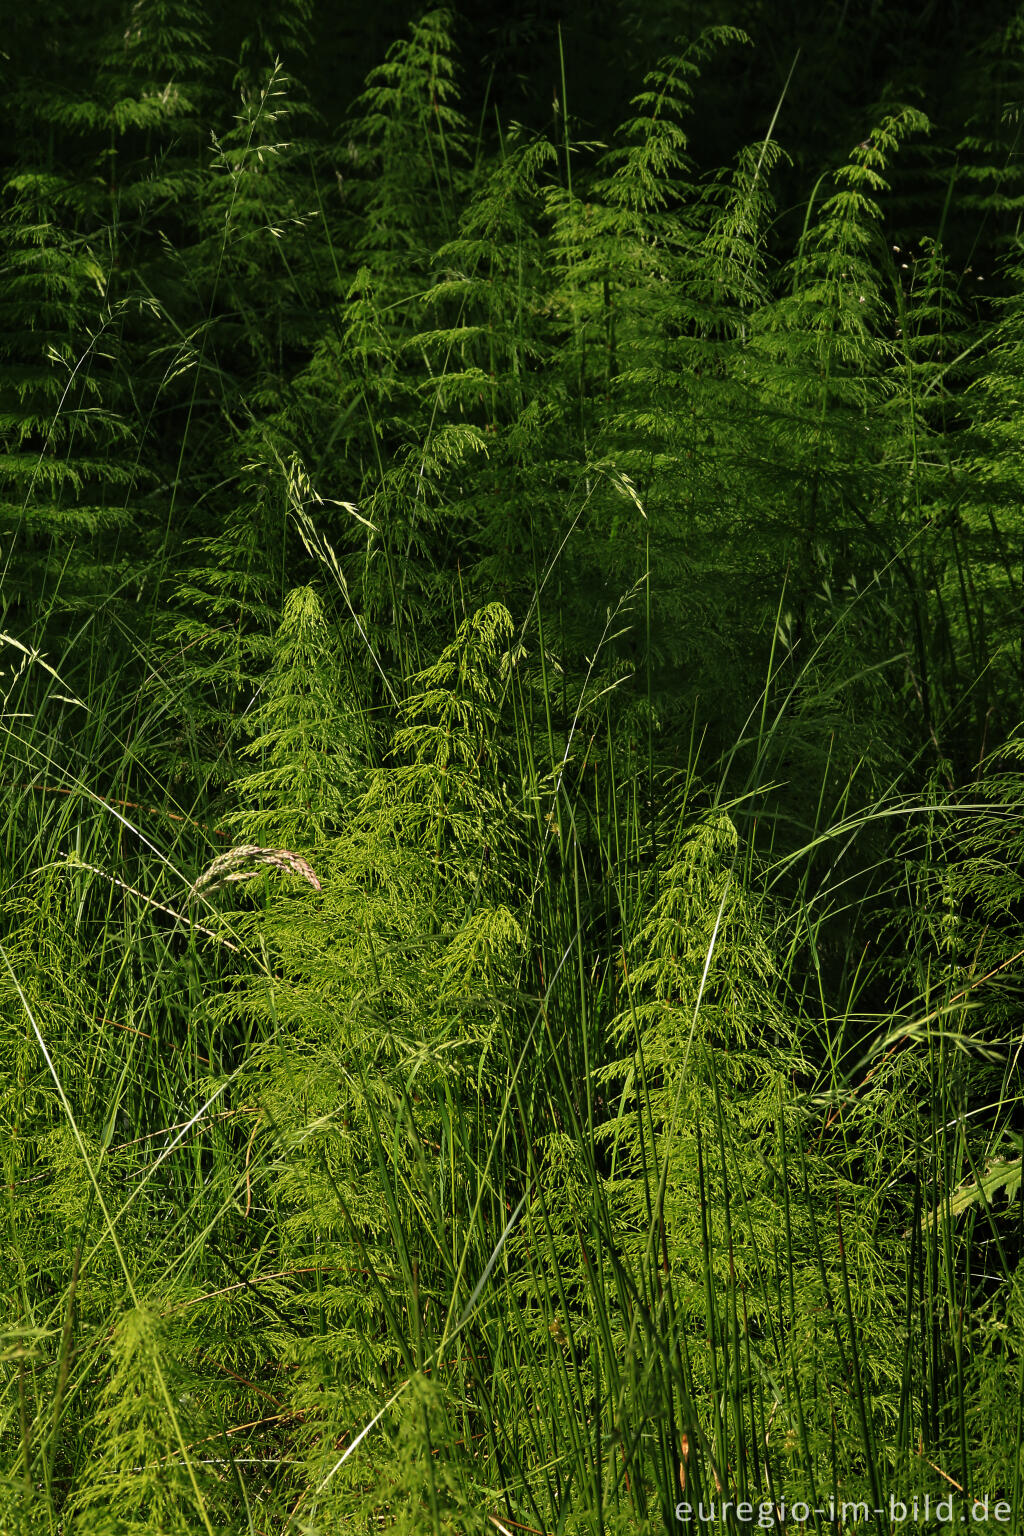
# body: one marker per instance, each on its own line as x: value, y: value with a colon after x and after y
x: 512, y: 768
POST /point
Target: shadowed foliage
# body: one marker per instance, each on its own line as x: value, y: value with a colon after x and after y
x: 510, y: 887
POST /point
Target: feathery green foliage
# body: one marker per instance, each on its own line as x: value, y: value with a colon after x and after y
x: 511, y: 746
